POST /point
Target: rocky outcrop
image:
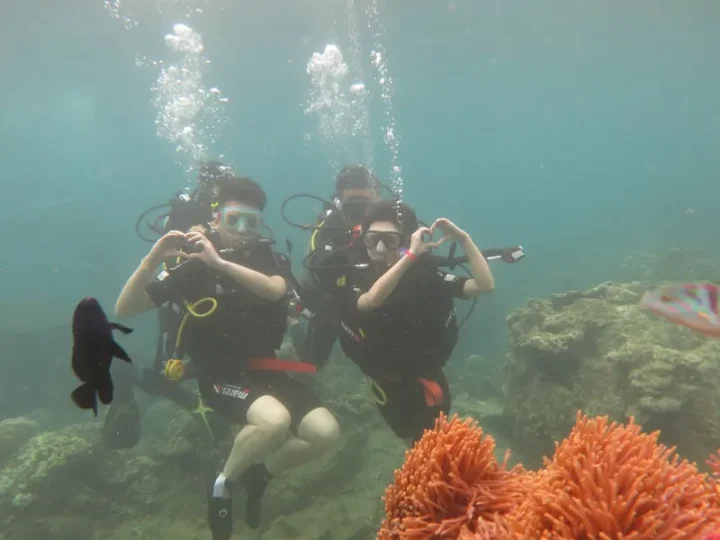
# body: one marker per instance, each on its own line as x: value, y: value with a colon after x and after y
x: 14, y: 433
x: 598, y: 351
x: 57, y: 480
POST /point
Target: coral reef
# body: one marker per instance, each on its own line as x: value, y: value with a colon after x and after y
x: 597, y: 351
x: 451, y: 476
x: 14, y: 433
x: 59, y: 479
x: 605, y: 481
x: 610, y: 480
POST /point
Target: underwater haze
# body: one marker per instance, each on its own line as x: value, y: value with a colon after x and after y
x: 581, y: 130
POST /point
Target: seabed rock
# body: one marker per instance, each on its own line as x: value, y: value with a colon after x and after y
x: 596, y: 350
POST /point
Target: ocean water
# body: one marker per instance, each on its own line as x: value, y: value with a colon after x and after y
x: 582, y: 130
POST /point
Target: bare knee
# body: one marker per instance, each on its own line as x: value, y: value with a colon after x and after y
x: 270, y: 416
x: 319, y: 428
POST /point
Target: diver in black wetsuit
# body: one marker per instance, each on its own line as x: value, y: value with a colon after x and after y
x: 313, y: 337
x: 121, y: 428
x: 398, y: 322
x: 231, y: 301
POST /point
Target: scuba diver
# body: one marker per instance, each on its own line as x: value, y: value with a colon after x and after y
x: 230, y: 297
x: 399, y: 323
x: 313, y: 326
x: 121, y: 428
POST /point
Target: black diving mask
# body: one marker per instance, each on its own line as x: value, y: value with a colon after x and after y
x: 354, y: 208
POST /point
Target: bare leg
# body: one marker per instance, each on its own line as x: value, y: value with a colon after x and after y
x: 268, y: 422
x: 318, y: 431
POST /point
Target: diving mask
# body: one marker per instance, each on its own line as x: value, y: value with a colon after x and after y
x: 242, y: 219
x: 381, y: 241
x: 354, y: 208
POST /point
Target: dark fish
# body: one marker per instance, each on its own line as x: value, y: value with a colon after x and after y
x: 93, y: 350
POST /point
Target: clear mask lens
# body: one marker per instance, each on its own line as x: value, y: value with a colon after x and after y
x: 240, y: 219
x: 389, y: 240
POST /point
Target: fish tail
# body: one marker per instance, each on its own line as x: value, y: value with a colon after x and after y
x: 84, y: 397
x: 105, y: 389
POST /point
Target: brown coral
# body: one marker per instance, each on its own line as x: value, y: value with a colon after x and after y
x: 450, y: 479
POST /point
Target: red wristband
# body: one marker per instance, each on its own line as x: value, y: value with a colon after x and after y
x: 410, y: 254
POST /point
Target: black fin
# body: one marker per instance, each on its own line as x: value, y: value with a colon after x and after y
x: 105, y: 389
x: 122, y: 328
x: 118, y: 352
x: 84, y: 397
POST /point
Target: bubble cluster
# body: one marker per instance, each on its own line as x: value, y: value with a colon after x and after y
x: 338, y: 103
x: 189, y: 115
x: 386, y: 83
x: 119, y: 11
x: 355, y: 50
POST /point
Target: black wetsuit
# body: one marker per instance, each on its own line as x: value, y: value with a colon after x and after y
x: 243, y: 328
x: 403, y: 345
x: 314, y: 342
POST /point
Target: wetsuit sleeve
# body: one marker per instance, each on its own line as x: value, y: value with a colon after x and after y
x: 156, y: 289
x: 453, y: 284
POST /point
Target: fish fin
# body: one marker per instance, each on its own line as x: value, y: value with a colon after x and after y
x: 84, y: 397
x: 118, y: 352
x: 105, y: 390
x: 122, y: 328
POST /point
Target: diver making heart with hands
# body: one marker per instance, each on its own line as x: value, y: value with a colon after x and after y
x: 422, y: 241
x: 387, y: 243
x: 171, y: 246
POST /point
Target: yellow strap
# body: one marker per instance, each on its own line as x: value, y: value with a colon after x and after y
x: 314, y: 234
x: 378, y: 393
x: 191, y: 311
x: 192, y: 307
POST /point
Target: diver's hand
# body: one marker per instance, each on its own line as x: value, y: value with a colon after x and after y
x: 166, y: 248
x: 421, y: 241
x: 451, y: 232
x: 207, y: 254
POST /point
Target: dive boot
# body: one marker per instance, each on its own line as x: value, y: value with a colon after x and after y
x: 256, y: 479
x: 219, y: 512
